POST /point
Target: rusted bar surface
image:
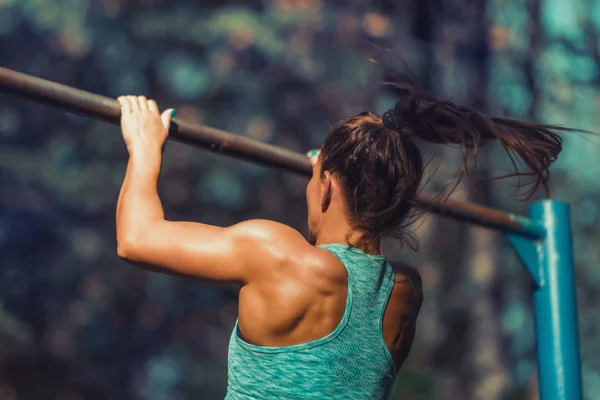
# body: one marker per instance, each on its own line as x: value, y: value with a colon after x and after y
x: 107, y: 109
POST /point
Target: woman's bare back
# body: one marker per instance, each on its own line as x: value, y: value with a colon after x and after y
x: 305, y: 300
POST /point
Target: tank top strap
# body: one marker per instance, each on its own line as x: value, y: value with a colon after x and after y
x: 370, y: 277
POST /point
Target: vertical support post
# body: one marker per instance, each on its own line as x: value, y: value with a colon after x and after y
x: 549, y: 261
x: 555, y: 305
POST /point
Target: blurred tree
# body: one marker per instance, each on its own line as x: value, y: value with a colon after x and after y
x: 279, y: 71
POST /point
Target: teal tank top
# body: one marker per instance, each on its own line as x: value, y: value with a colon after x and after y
x: 352, y: 362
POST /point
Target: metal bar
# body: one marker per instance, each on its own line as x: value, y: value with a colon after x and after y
x: 107, y: 109
x: 555, y: 305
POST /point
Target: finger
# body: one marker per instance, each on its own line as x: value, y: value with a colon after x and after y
x: 152, y: 106
x: 143, y: 102
x: 135, y: 106
x: 125, y: 105
x: 313, y: 156
x: 166, y: 118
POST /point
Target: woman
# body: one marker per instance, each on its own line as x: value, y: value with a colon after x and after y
x: 326, y: 318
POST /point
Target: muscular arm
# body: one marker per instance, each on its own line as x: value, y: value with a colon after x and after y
x: 232, y: 255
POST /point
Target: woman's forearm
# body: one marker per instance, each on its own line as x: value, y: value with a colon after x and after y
x: 138, y: 205
x: 122, y: 189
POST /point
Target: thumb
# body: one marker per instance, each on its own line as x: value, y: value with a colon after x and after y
x: 166, y: 118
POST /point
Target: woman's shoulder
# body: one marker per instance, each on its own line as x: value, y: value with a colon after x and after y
x: 406, y: 274
x: 267, y: 234
x: 283, y: 246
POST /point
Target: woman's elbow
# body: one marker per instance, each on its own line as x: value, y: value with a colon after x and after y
x: 138, y: 245
x: 128, y: 249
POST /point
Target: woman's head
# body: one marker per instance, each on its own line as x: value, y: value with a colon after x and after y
x: 377, y: 171
x: 374, y: 167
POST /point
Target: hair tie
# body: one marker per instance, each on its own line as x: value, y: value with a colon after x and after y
x: 390, y: 121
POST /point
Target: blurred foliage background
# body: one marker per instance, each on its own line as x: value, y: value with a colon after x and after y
x: 78, y: 323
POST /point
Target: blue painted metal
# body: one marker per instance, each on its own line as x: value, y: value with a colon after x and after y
x: 550, y: 263
x: 529, y: 251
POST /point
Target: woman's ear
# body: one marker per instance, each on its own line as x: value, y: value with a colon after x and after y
x: 326, y: 191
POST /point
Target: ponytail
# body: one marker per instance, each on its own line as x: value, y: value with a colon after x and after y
x: 420, y: 115
x: 380, y: 167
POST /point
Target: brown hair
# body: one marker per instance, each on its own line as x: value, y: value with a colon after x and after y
x: 381, y: 167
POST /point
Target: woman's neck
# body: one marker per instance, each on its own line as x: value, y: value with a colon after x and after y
x: 345, y: 235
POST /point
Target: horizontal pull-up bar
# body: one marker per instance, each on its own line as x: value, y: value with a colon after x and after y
x: 107, y: 109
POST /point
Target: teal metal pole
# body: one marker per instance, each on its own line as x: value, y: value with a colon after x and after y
x: 550, y: 262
